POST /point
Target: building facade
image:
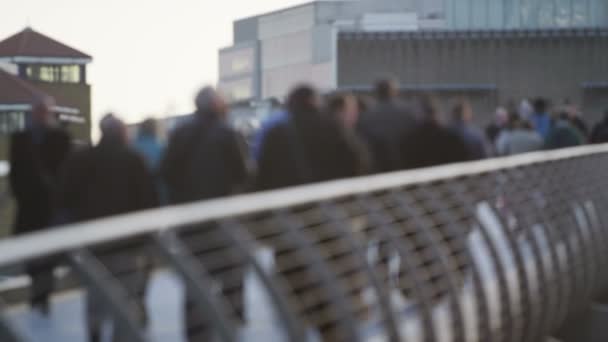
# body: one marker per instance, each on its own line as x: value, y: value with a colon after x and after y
x: 274, y: 51
x: 34, y: 65
x: 492, y: 51
x: 491, y: 68
x: 525, y: 14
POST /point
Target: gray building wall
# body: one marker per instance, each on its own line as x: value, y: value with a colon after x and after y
x: 492, y: 67
x: 245, y: 30
x: 297, y: 44
x: 239, y: 66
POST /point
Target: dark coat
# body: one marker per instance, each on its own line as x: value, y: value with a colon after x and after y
x: 473, y: 138
x: 204, y: 159
x: 34, y: 175
x: 493, y: 131
x: 109, y: 179
x: 383, y: 130
x: 581, y: 125
x: 432, y: 144
x: 599, y: 135
x: 307, y: 149
x: 563, y: 135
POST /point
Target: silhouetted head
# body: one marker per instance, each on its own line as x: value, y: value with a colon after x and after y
x: 519, y: 123
x: 344, y: 108
x: 386, y: 90
x: 563, y: 116
x: 303, y: 99
x: 428, y: 108
x: 210, y: 103
x: 365, y: 103
x: 501, y: 116
x: 113, y: 129
x: 572, y: 110
x: 42, y: 110
x: 462, y: 111
x: 524, y: 110
x: 540, y: 106
x: 148, y: 128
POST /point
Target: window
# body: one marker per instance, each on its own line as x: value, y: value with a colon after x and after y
x: 238, y: 90
x: 70, y: 73
x: 11, y: 122
x: 237, y: 62
x: 53, y: 73
x: 529, y: 14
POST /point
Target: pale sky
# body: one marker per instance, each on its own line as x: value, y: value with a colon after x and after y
x: 149, y: 56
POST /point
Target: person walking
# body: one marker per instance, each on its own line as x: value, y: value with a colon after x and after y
x: 563, y: 134
x: 520, y: 138
x: 148, y: 145
x: 432, y: 143
x: 204, y: 160
x: 205, y: 157
x: 540, y: 119
x: 576, y: 119
x: 500, y: 123
x: 105, y: 180
x: 312, y: 145
x: 344, y: 110
x: 384, y: 127
x: 462, y: 124
x: 599, y: 134
x: 36, y: 156
x: 306, y: 148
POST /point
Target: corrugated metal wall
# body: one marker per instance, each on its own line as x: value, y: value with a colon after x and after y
x: 494, y: 66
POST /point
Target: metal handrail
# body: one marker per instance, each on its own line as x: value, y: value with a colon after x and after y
x: 458, y: 252
x: 72, y: 236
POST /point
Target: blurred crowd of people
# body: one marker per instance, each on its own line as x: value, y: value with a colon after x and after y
x: 312, y: 139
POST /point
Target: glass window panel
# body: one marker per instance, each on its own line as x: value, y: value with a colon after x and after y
x: 462, y: 10
x: 546, y: 14
x: 580, y: 15
x: 563, y: 13
x: 53, y: 73
x: 479, y: 12
x: 512, y: 13
x: 70, y: 73
x: 600, y: 9
x: 11, y: 122
x: 238, y: 90
x: 46, y: 74
x: 530, y: 10
x: 496, y: 14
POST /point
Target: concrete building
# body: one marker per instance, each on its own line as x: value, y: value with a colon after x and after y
x: 490, y: 68
x: 32, y: 64
x: 273, y: 51
x: 492, y: 51
x: 525, y: 14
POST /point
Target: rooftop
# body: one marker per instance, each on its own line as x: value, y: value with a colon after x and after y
x: 30, y: 43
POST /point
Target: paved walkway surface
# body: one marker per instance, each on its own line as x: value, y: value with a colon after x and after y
x: 164, y: 300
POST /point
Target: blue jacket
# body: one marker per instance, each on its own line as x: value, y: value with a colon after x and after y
x: 150, y: 149
x: 542, y: 124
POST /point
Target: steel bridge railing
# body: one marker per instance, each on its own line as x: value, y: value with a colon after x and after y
x: 497, y: 250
